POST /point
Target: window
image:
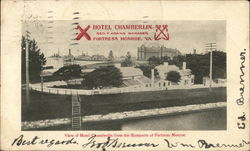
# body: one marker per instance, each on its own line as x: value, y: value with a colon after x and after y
x: 164, y: 84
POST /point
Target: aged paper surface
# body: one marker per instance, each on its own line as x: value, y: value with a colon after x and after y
x: 124, y: 75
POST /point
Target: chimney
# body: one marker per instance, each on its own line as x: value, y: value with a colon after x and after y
x: 69, y: 52
x: 184, y: 64
x: 152, y: 77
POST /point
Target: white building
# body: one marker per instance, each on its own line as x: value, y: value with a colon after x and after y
x: 217, y: 81
x: 164, y: 68
x: 133, y: 77
x: 187, y: 78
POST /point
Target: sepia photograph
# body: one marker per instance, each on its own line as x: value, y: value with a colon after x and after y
x: 123, y: 75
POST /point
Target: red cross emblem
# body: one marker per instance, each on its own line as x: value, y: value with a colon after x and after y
x: 83, y: 33
x: 161, y: 32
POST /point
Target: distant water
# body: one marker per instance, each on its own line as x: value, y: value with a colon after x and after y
x: 204, y: 120
x: 58, y: 63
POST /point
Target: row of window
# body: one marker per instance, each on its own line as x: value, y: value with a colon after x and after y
x: 163, y: 84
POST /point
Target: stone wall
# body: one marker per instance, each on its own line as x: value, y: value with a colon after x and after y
x: 122, y: 115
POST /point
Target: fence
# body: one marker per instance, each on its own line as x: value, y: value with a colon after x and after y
x: 62, y: 91
x: 90, y: 92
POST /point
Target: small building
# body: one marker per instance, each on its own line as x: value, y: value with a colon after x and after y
x: 161, y: 83
x: 165, y: 68
x: 48, y: 72
x: 206, y: 81
x: 133, y: 77
x: 144, y: 81
x: 187, y: 78
x: 218, y: 81
x: 131, y: 83
x: 74, y: 81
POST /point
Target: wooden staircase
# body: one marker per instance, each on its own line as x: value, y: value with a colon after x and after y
x: 76, y: 113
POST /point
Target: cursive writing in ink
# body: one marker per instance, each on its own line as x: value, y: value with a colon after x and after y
x: 240, y: 101
x: 205, y: 144
x: 114, y: 143
x: 20, y: 141
x: 177, y: 144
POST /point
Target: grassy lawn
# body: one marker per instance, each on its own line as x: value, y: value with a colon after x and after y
x: 104, y: 104
x: 48, y: 106
x: 45, y: 106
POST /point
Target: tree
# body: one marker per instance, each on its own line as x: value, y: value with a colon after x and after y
x: 36, y: 60
x: 146, y: 69
x: 154, y: 61
x: 111, y: 56
x: 68, y: 72
x: 108, y: 76
x: 219, y: 64
x: 166, y: 59
x: 178, y: 61
x: 173, y: 76
x: 128, y: 61
x: 200, y: 63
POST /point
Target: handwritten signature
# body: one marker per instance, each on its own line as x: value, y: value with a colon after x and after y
x: 205, y: 144
x: 240, y: 101
x: 116, y: 143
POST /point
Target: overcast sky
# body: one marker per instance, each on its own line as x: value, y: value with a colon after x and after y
x: 184, y: 35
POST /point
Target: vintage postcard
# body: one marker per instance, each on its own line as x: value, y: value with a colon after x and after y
x: 124, y: 75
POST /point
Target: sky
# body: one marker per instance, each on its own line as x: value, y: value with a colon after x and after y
x: 57, y: 35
